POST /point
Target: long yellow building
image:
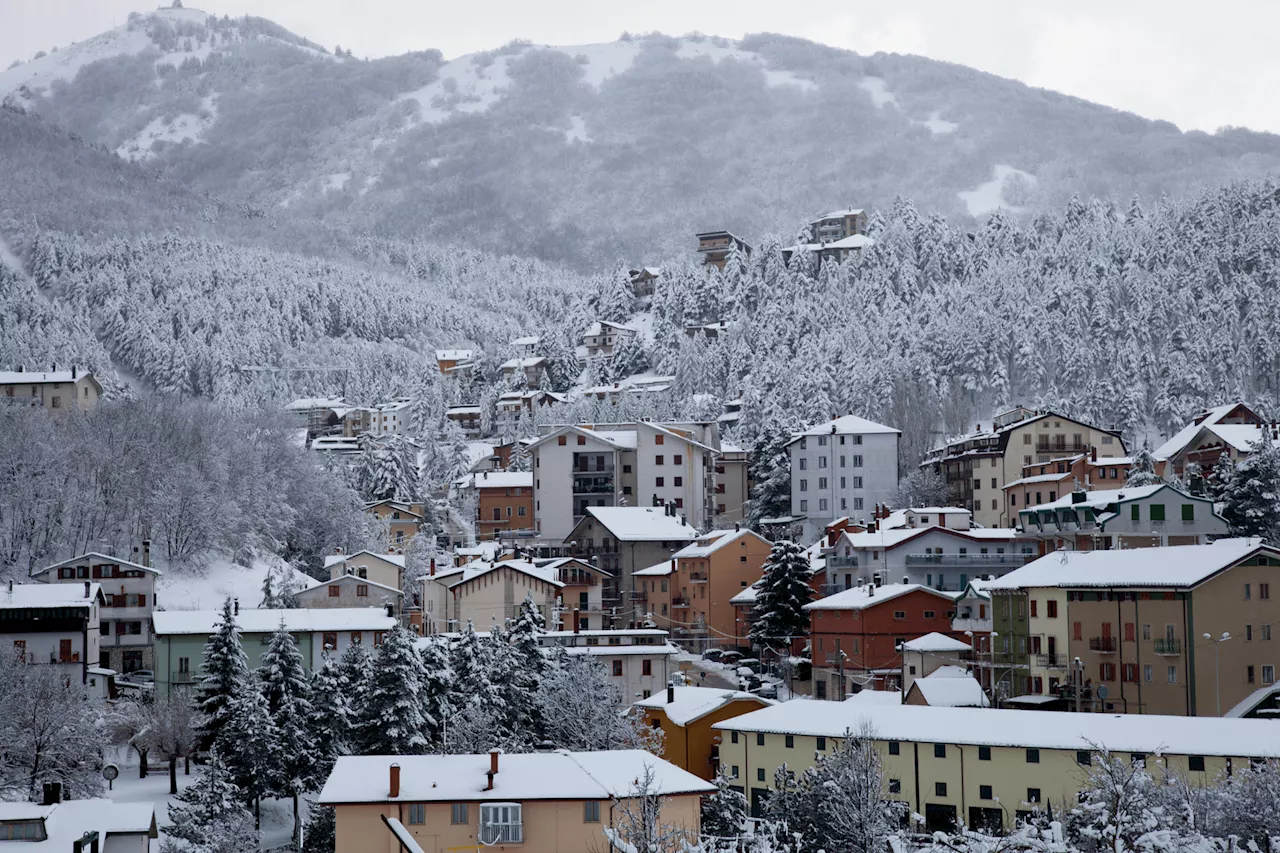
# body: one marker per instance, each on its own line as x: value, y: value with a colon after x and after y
x: 983, y: 766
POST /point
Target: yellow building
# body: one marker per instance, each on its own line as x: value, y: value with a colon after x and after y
x: 687, y: 716
x: 541, y: 801
x: 979, y: 765
x: 53, y: 389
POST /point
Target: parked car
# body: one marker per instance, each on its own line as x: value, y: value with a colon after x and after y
x: 138, y: 676
x: 730, y: 656
x: 767, y: 690
x: 751, y: 663
x: 712, y: 655
x: 748, y: 683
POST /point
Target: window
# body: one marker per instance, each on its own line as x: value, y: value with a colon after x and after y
x: 984, y: 754
x: 1135, y: 513
x: 1157, y: 512
x: 1106, y: 672
x: 1083, y: 757
x: 822, y: 462
x: 1264, y: 631
x: 977, y: 485
x: 356, y: 638
x: 984, y: 792
x: 791, y: 742
x: 733, y: 737
x: 659, y: 439
x: 1052, y: 604
x: 1026, y: 438
x: 1146, y: 632
x: 899, y: 614
x: 993, y: 481
x: 1268, y: 674
x: 759, y: 774
x: 330, y: 639
x: 677, y: 481
x: 1129, y: 632
x: 677, y: 459
x: 857, y: 460
x: 657, y: 460
x: 1033, y: 795
x: 759, y: 738
x: 659, y: 482
x: 417, y: 813
x: 334, y: 590
x: 894, y: 747
x: 804, y: 506
x: 822, y: 482
x: 1264, y: 591
x: 930, y: 614
x: 1248, y: 633
x: 57, y: 402
x: 591, y: 811
x: 1173, y: 674
x: 822, y: 744
x: 458, y: 813
x: 1033, y: 756
x: 1248, y: 593
x: 939, y: 750
x: 617, y: 667
x: 1033, y: 608
x: 501, y: 823
x: 1195, y: 763
x: 895, y: 786
x: 804, y: 485
x: 940, y: 789
x: 1188, y: 512
x: 1130, y: 673
x: 734, y: 773
x: 362, y: 590
x: 1249, y: 674
x: 1077, y: 631
x: 646, y: 667
x: 1147, y: 675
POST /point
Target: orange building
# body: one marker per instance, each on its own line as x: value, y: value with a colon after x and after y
x: 708, y: 574
x: 686, y: 716
x: 653, y: 592
x: 504, y: 501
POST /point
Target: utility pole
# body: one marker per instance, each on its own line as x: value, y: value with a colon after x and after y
x: 1217, y: 643
x: 1077, y: 680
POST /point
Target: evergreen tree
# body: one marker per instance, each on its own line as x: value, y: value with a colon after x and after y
x: 1143, y: 470
x: 771, y: 494
x: 528, y: 665
x: 437, y: 689
x: 391, y: 721
x: 226, y: 677
x: 329, y: 721
x: 784, y: 591
x: 724, y: 813
x: 288, y: 693
x: 1219, y: 480
x: 1251, y: 504
x: 322, y: 829
x: 208, y: 813
x: 250, y: 743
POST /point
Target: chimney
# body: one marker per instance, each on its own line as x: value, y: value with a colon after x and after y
x: 433, y: 567
x: 737, y: 528
x: 577, y: 621
x: 86, y: 589
x: 671, y: 693
x: 337, y: 549
x: 146, y: 553
x: 906, y: 579
x: 73, y: 372
x: 391, y: 610
x: 235, y: 603
x: 1093, y: 454
x: 493, y: 769
x: 52, y: 793
x: 395, y: 780
x: 871, y: 590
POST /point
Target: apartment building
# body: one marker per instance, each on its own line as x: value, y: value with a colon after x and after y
x: 126, y: 638
x: 842, y: 467
x: 181, y: 636
x: 640, y: 661
x: 468, y: 418
x: 537, y: 801
x: 1233, y: 429
x: 644, y: 464
x: 514, y: 402
x: 977, y: 466
x: 857, y: 635
x: 934, y: 556
x: 1045, y: 482
x: 654, y: 591
x: 532, y: 368
x: 983, y: 766
x: 391, y: 418
x: 602, y: 338
x: 52, y: 389
x: 488, y: 593
x: 1125, y: 630
x: 387, y: 569
x: 403, y: 520
x: 350, y: 591
x: 527, y: 346
x: 707, y: 574
x: 583, y: 590
x: 1127, y: 517
x: 715, y: 247
x: 55, y: 624
x: 504, y: 501
x: 453, y: 362
x: 686, y: 716
x: 733, y: 482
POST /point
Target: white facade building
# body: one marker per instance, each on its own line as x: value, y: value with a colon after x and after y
x: 639, y: 661
x: 55, y: 624
x: 843, y: 467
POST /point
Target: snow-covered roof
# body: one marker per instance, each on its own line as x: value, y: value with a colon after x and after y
x: 1143, y: 733
x: 613, y: 651
x: 642, y: 633
x: 527, y: 341
x: 306, y: 403
x: 1172, y: 566
x: 1039, y: 478
x: 334, y: 559
x: 1102, y: 498
x: 98, y: 556
x: 523, y: 363
x: 1242, y: 437
x: 496, y: 480
x: 936, y: 510
x: 298, y: 620
x: 621, y: 438
x: 658, y: 570
x: 935, y: 642
x: 862, y: 597
x: 1180, y: 439
x: 24, y: 595
x: 709, y: 543
x: 1253, y: 700
x: 351, y: 579
x: 846, y: 425
x: 471, y: 571
x: 853, y: 241
x: 838, y: 214
x: 29, y: 377
x: 875, y: 697
x: 730, y: 447
x: 642, y: 524
x: 597, y: 328
x: 951, y: 687
x: 462, y: 410
x: 747, y: 596
x: 526, y: 777
x: 67, y: 822
x: 454, y: 354
x: 694, y: 703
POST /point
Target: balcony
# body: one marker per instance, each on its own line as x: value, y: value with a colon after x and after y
x: 962, y: 560
x: 679, y: 601
x: 835, y: 562
x: 593, y: 485
x: 182, y: 677
x: 1054, y: 661
x: 1104, y: 645
x: 1168, y: 647
x: 832, y: 588
x: 698, y: 577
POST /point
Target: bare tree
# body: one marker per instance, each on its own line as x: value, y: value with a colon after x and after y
x: 638, y: 825
x: 168, y: 730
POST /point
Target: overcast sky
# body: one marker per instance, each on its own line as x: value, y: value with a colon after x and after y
x: 1198, y: 65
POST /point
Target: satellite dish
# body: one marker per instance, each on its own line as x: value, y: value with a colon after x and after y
x: 1102, y: 691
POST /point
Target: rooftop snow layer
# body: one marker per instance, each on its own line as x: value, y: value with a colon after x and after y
x: 1172, y: 566
x: 862, y: 597
x: 24, y: 595
x: 694, y: 703
x: 334, y: 559
x: 846, y: 425
x: 935, y: 642
x: 205, y: 622
x: 642, y: 524
x: 951, y: 687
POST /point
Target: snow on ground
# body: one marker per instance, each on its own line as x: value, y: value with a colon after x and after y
x: 337, y: 181
x: 643, y: 323
x: 878, y: 90
x: 206, y: 588
x: 39, y: 74
x: 938, y: 125
x: 695, y: 49
x: 604, y: 60
x: 577, y: 131
x: 989, y: 195
x: 181, y: 128
x: 463, y: 86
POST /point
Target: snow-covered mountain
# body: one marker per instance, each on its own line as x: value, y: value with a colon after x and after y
x: 586, y: 154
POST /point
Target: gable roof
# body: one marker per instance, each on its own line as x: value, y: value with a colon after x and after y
x: 67, y: 822
x: 106, y: 558
x: 350, y: 579
x: 1099, y: 499
x: 496, y: 480
x: 641, y: 524
x: 694, y: 703
x: 25, y: 595
x: 870, y: 595
x: 1175, y: 566
x: 846, y: 425
x: 1179, y: 441
x: 394, y: 559
x: 709, y: 543
x: 33, y: 377
x: 950, y: 687
x: 935, y: 642
x: 621, y: 438
x: 477, y: 569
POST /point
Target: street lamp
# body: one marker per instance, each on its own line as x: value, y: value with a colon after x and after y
x: 1217, y: 692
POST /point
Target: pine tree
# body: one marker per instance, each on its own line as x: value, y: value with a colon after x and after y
x: 1143, y: 470
x: 1219, y: 480
x: 784, y: 590
x: 250, y: 743
x: 1251, y: 504
x: 288, y: 693
x: 329, y: 722
x: 322, y: 829
x: 436, y: 693
x: 391, y: 721
x: 771, y: 494
x: 724, y: 813
x: 210, y: 809
x: 528, y: 667
x: 226, y: 677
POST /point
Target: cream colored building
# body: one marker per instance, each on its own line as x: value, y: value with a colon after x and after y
x: 639, y: 661
x: 540, y: 801
x: 386, y: 569
x: 350, y: 591
x: 52, y: 389
x: 984, y: 766
x: 487, y: 593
